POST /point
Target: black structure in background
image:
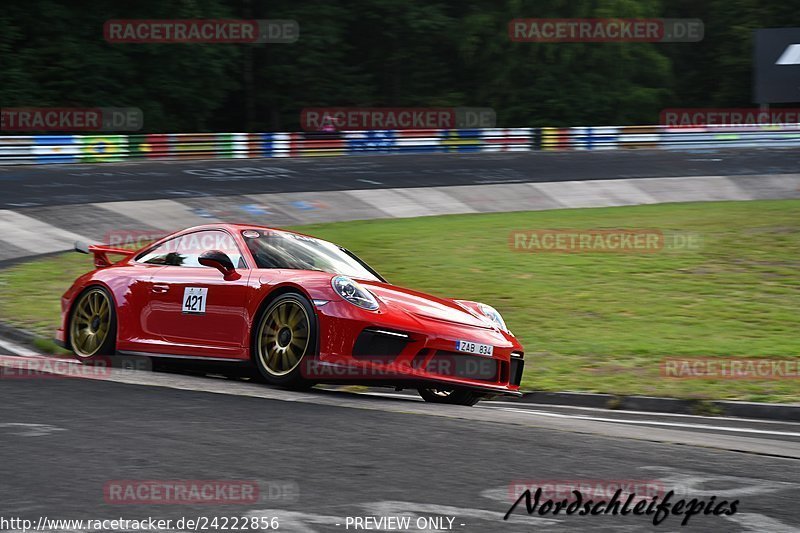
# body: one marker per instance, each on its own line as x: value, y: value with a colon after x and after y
x: 775, y: 83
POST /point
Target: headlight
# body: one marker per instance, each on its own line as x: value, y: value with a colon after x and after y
x: 492, y: 314
x: 354, y: 293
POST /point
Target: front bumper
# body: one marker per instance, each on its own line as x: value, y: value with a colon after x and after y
x: 370, y: 348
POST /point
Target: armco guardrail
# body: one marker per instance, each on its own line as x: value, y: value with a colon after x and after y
x: 41, y: 149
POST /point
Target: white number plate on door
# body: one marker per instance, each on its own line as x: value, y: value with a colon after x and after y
x: 194, y: 300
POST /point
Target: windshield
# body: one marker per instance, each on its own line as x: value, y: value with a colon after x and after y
x: 277, y: 249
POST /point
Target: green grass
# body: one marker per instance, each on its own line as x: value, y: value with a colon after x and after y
x: 589, y: 322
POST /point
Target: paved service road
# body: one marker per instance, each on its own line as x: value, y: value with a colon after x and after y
x: 323, y: 456
x: 42, y: 185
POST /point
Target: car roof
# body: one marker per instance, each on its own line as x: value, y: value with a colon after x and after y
x: 235, y: 228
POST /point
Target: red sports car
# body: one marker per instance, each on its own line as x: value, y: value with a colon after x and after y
x: 300, y: 309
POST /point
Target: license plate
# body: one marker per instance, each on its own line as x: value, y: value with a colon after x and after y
x: 474, y: 347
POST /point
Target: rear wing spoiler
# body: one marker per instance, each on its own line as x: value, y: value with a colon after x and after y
x: 100, y: 252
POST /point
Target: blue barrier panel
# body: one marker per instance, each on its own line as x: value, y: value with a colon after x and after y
x: 56, y: 149
x: 377, y: 141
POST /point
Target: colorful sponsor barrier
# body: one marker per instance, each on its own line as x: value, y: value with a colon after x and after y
x: 103, y: 149
x: 61, y: 149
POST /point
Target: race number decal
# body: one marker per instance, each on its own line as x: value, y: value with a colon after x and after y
x: 194, y: 300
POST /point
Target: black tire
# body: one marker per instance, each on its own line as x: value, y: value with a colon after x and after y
x: 265, y: 345
x: 450, y: 396
x: 92, y: 329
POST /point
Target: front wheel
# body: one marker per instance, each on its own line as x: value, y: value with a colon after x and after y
x: 450, y: 396
x: 93, y: 324
x: 284, y: 337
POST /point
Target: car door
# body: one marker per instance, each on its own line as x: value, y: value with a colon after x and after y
x: 134, y: 331
x: 137, y: 329
x: 195, y: 310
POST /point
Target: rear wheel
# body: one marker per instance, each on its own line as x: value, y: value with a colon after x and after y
x: 450, y: 396
x: 93, y: 324
x: 284, y: 337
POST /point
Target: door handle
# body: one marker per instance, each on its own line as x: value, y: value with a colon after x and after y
x: 160, y: 287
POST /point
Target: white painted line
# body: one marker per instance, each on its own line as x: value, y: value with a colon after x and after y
x: 16, y: 349
x: 28, y: 430
x: 14, y: 361
x: 388, y: 395
x: 654, y: 423
x: 33, y: 235
x: 371, y: 182
x: 491, y: 404
x: 759, y: 523
x: 520, y: 405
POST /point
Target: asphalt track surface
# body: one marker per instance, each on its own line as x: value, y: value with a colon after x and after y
x: 43, y: 185
x: 326, y: 455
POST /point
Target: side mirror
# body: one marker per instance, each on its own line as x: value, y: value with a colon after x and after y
x: 220, y: 261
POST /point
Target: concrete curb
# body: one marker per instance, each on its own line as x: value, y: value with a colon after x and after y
x: 17, y: 335
x: 765, y: 411
x: 32, y: 231
x: 652, y: 404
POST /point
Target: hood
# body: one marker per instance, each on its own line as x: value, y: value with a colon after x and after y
x: 415, y: 304
x: 423, y: 305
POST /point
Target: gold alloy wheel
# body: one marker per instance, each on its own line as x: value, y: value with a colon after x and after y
x: 283, y: 337
x: 90, y: 323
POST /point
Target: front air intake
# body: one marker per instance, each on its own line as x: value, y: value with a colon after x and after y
x: 380, y: 344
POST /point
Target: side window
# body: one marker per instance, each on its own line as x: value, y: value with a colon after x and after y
x: 161, y: 255
x: 185, y: 250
